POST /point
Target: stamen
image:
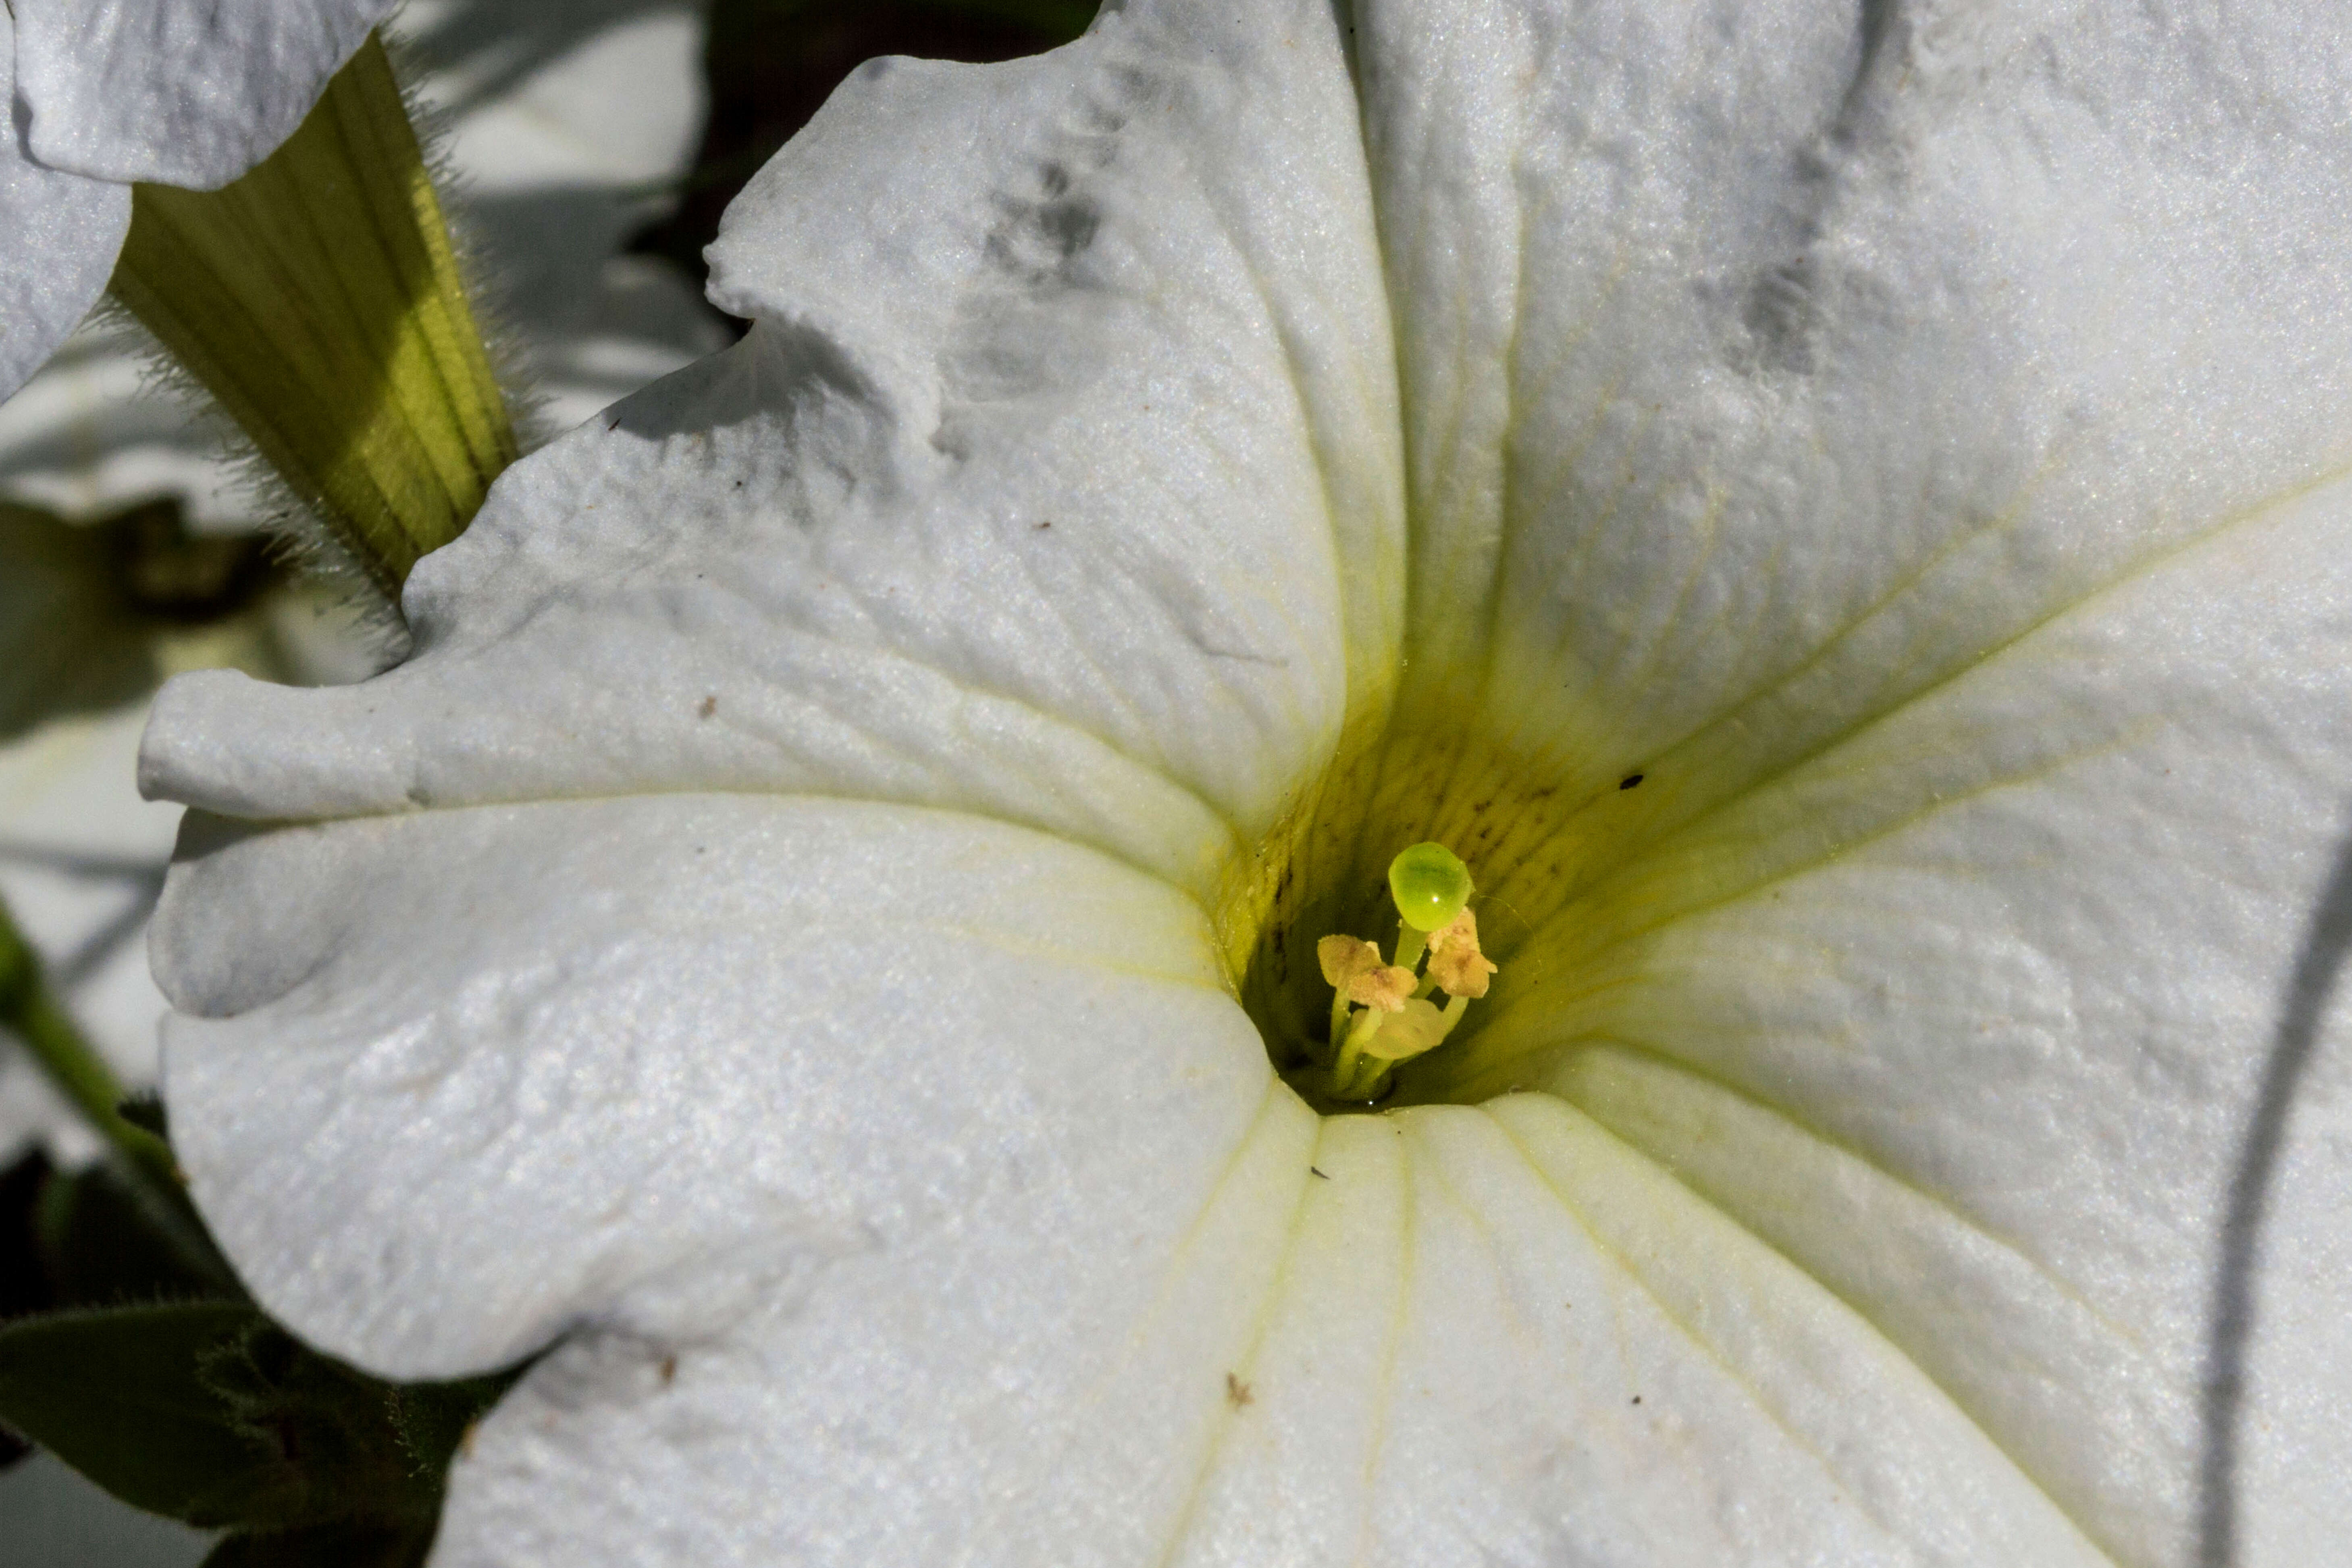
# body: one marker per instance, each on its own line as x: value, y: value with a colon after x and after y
x: 1386, y: 988
x: 1455, y: 962
x: 1342, y: 958
x: 1432, y: 887
x: 1408, y: 1033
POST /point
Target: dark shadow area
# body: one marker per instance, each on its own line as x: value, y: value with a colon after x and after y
x: 80, y: 603
x: 2318, y: 969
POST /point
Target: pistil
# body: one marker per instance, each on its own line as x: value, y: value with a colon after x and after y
x: 1380, y: 1011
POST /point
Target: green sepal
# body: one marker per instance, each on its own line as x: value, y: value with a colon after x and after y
x: 433, y: 1420
x: 325, y: 1546
x: 211, y: 1413
x: 118, y: 1394
x: 318, y: 298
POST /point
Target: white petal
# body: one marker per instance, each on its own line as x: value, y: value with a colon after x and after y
x: 1060, y: 487
x: 1907, y: 450
x: 1767, y: 364
x: 903, y: 1215
x: 186, y: 92
x: 1910, y: 440
x: 462, y: 1080
x: 63, y: 233
x: 1459, y: 1337
x: 1972, y: 1015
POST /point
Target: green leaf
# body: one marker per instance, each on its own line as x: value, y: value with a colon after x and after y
x: 102, y: 1243
x: 325, y: 1546
x: 116, y: 1395
x: 210, y: 1412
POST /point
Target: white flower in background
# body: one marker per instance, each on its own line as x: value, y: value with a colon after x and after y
x: 106, y: 93
x: 81, y: 855
x: 1837, y: 513
x: 568, y: 125
x: 563, y: 126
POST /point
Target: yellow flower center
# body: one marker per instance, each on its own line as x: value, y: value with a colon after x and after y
x: 1546, y: 833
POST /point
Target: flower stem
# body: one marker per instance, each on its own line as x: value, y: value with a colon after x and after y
x: 30, y: 1011
x: 1349, y: 1064
x: 1359, y: 1079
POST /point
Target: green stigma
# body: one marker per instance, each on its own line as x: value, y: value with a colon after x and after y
x: 1430, y: 885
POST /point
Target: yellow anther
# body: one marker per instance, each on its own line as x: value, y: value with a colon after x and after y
x: 1455, y: 961
x: 1386, y: 988
x: 1345, y: 957
x: 1430, y: 885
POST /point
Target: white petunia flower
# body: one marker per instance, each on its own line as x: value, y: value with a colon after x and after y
x: 107, y: 92
x: 552, y: 177
x: 1836, y: 514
